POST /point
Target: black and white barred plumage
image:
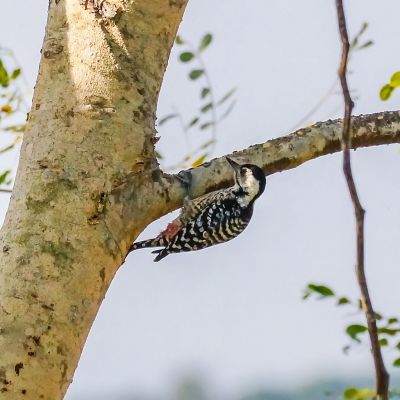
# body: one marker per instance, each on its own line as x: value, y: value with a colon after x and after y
x: 213, y: 218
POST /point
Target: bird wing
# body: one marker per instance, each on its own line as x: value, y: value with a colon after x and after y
x: 191, y: 208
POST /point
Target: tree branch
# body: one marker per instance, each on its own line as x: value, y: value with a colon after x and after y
x: 287, y: 152
x: 382, y: 377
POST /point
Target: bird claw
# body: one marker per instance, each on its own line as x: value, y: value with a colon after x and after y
x: 185, y: 177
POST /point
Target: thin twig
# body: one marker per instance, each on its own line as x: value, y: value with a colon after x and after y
x: 10, y: 146
x: 353, y: 48
x: 5, y: 191
x: 183, y: 127
x: 183, y: 163
x: 382, y: 377
x: 316, y: 107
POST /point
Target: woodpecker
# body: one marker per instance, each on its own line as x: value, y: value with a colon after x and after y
x: 213, y: 218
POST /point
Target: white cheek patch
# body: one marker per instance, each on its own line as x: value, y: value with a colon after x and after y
x: 250, y: 185
x: 249, y: 178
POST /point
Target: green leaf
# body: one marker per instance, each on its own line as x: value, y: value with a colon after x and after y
x: 354, y: 41
x: 342, y: 301
x: 179, y: 40
x: 350, y: 393
x: 207, y: 107
x: 395, y: 79
x: 324, y: 291
x: 386, y: 91
x: 226, y: 96
x: 200, y: 160
x: 186, y: 56
x: 378, y: 316
x: 398, y: 346
x: 354, y: 330
x: 16, y: 73
x: 163, y: 120
x: 353, y: 393
x: 393, y: 320
x: 396, y: 362
x: 366, y: 393
x: 204, y: 92
x: 6, y: 108
x: 383, y: 342
x: 4, y: 77
x: 207, y: 38
x: 388, y: 331
x: 193, y: 122
x: 195, y: 74
x: 206, y: 125
x: 366, y: 44
x: 3, y: 176
x: 364, y: 27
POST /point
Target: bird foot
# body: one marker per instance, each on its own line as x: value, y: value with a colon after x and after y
x: 185, y: 177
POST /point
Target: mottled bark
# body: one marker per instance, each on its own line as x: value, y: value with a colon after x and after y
x: 88, y: 181
x: 90, y: 129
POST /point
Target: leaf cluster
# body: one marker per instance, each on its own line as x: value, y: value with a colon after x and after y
x: 388, y: 327
x: 388, y: 333
x: 387, y: 89
x: 211, y: 110
x: 11, y: 104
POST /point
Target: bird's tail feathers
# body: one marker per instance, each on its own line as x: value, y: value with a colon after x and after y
x: 159, y: 241
x: 160, y: 254
x: 156, y: 242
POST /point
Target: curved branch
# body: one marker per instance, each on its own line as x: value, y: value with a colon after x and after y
x: 288, y: 152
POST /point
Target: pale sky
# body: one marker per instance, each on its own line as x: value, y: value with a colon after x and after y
x: 234, y: 312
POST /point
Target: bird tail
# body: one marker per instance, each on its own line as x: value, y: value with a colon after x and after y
x: 160, y: 254
x: 159, y: 241
x: 156, y: 242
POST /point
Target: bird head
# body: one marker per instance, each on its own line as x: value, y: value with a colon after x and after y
x: 249, y: 178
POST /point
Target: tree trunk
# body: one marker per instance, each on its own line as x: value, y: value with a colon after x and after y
x: 91, y: 127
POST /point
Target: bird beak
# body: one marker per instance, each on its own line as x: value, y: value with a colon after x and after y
x: 234, y: 164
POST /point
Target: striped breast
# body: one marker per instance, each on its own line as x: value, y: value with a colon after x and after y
x: 219, y: 222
